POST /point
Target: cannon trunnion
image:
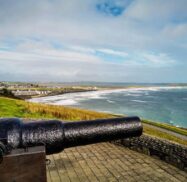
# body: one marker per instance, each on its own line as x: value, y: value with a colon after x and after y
x: 57, y: 135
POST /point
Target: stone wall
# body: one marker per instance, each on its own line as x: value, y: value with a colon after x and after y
x: 172, y: 153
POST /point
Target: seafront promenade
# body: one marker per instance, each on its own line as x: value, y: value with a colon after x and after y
x: 109, y: 162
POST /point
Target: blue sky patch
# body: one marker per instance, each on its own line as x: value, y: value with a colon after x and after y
x: 56, y: 45
x: 9, y: 43
x: 109, y: 57
x: 112, y: 7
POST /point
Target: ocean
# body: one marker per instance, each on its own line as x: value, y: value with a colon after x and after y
x: 167, y: 104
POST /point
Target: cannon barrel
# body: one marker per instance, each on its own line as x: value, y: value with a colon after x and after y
x: 57, y: 135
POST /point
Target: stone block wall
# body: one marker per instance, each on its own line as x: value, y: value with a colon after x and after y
x: 172, y: 153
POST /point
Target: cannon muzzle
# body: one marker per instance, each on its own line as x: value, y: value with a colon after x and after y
x: 57, y: 135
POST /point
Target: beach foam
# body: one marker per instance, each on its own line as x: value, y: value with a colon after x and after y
x: 154, y: 103
x: 75, y: 98
x: 110, y: 101
x: 139, y: 101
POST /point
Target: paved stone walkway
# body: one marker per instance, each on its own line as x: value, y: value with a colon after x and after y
x: 109, y: 162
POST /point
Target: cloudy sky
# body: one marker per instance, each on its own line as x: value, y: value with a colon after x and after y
x: 93, y: 40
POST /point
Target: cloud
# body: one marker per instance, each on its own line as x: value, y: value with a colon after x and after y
x: 176, y: 31
x: 78, y: 22
x: 159, y: 11
x: 92, y: 39
x: 113, y: 52
x: 81, y: 49
x: 159, y: 60
x: 48, y: 54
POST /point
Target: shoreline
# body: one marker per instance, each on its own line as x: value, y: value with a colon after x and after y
x: 75, y: 97
x: 111, y: 89
x: 14, y: 108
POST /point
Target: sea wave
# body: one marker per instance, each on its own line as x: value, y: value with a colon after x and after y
x: 139, y: 101
x: 110, y: 101
x: 132, y: 94
x: 66, y: 102
x: 75, y: 98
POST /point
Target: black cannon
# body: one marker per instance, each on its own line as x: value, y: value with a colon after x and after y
x: 57, y: 135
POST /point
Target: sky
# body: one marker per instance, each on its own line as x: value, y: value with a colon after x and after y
x: 93, y: 40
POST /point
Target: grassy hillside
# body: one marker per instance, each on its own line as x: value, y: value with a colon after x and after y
x: 19, y: 108
x: 163, y: 135
x: 167, y: 126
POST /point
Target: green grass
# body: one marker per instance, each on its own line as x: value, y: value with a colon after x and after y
x: 11, y: 108
x: 19, y: 108
x: 22, y: 109
x: 167, y: 126
x: 163, y: 135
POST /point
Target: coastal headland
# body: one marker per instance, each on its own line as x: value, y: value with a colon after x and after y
x: 163, y: 141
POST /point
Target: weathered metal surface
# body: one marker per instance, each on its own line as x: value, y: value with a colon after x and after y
x: 57, y: 135
x: 24, y: 166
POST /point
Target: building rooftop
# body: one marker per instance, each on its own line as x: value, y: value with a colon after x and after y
x: 109, y: 162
